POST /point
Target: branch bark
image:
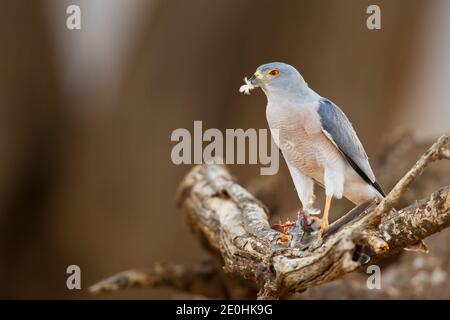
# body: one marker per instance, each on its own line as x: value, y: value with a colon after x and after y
x: 203, y: 279
x: 234, y: 227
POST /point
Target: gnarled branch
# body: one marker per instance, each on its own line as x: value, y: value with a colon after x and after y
x: 234, y: 227
x: 201, y: 279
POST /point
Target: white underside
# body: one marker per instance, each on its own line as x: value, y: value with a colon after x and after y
x: 312, y: 156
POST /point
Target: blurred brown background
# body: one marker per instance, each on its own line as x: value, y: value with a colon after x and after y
x: 86, y: 115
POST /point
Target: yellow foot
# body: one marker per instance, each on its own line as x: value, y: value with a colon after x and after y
x: 323, y: 227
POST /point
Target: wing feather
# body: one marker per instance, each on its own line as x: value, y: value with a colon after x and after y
x: 339, y: 130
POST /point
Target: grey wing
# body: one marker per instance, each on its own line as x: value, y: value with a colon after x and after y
x: 339, y: 130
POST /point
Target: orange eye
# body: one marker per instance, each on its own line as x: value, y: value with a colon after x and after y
x: 274, y: 72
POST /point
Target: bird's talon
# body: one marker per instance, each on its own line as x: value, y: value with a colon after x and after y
x: 323, y: 227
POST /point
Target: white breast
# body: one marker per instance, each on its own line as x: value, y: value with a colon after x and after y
x: 298, y: 133
x: 300, y: 138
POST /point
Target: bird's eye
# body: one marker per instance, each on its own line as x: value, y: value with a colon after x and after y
x: 274, y: 72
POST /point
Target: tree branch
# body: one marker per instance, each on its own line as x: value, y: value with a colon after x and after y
x: 418, y: 221
x: 202, y: 279
x: 235, y: 225
x: 439, y: 150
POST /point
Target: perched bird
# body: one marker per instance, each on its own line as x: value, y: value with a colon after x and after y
x: 316, y: 139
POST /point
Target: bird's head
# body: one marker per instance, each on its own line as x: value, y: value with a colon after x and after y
x: 277, y: 77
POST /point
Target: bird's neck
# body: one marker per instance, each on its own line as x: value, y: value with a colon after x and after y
x: 299, y: 94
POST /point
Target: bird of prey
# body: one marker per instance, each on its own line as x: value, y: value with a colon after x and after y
x: 316, y: 139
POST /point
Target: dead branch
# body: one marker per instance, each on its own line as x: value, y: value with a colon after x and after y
x: 233, y: 226
x: 439, y: 150
x: 202, y: 279
x: 236, y: 225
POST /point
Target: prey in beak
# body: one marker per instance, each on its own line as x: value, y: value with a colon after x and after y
x: 250, y: 84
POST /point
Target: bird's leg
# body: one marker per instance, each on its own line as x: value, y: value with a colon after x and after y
x: 326, y: 211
